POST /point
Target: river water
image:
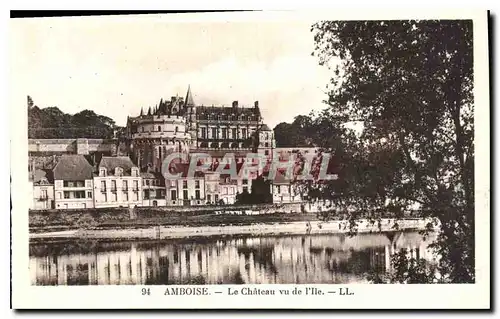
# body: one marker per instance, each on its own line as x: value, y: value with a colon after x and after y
x: 300, y: 259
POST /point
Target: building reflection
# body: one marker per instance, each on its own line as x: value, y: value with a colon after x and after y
x: 293, y: 259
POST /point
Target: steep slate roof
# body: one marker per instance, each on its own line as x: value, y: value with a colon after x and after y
x: 215, y: 166
x: 265, y: 128
x: 279, y: 177
x: 110, y: 163
x: 183, y: 169
x: 73, y: 168
x: 151, y: 175
x: 189, y: 97
x: 43, y: 176
x: 203, y: 111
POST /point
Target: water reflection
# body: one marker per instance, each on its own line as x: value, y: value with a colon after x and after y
x: 335, y: 258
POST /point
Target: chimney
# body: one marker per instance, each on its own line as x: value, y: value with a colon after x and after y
x: 235, y: 104
x: 256, y: 104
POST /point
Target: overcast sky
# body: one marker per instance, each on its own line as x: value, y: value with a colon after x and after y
x: 116, y: 65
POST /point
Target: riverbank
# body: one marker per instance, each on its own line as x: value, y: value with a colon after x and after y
x: 116, y: 219
x: 273, y: 228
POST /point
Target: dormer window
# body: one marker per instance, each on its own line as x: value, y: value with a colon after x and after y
x: 135, y: 171
x: 102, y: 172
x: 118, y: 171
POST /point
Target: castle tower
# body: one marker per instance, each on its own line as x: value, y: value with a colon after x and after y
x: 190, y: 111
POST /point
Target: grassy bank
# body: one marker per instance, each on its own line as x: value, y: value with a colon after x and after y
x: 44, y: 221
x: 145, y: 217
x: 213, y: 220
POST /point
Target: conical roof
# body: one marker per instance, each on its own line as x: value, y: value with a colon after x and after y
x: 189, y: 97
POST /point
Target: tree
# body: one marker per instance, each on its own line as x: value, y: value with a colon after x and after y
x: 410, y: 84
x: 261, y: 193
x: 243, y: 198
x: 261, y: 190
x: 295, y: 134
x: 30, y: 102
x: 51, y: 122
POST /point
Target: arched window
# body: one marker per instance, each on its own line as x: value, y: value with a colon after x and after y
x: 176, y: 129
x: 159, y: 128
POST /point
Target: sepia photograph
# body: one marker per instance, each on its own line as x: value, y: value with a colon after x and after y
x: 187, y: 152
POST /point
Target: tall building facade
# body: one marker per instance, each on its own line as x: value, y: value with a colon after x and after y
x: 163, y: 130
x: 179, y: 125
x: 227, y: 128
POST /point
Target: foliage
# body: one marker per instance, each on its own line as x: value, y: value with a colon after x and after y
x: 410, y: 270
x: 37, y: 220
x: 50, y: 122
x: 243, y: 197
x: 295, y: 134
x: 408, y: 84
x: 261, y: 193
x: 86, y: 221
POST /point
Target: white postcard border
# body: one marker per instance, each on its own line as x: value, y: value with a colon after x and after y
x: 462, y: 296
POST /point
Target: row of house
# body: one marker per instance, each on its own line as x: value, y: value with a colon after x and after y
x: 73, y: 183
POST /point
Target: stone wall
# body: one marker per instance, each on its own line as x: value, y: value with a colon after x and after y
x: 72, y: 146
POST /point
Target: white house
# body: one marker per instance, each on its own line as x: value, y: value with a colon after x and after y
x: 43, y: 190
x: 212, y: 189
x: 73, y: 184
x: 153, y: 189
x: 228, y: 189
x: 185, y: 190
x: 117, y: 183
x: 284, y: 190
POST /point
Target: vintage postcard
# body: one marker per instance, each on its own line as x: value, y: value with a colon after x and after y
x: 251, y: 160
